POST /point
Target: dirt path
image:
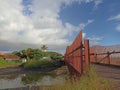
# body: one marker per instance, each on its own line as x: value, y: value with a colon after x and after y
x: 111, y: 73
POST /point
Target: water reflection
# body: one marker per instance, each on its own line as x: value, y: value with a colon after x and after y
x: 31, y: 79
x: 8, y: 77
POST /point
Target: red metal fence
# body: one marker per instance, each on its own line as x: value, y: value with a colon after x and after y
x: 78, y: 52
x: 104, y: 55
x: 74, y: 56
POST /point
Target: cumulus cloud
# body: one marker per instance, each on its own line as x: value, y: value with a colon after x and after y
x: 95, y: 40
x: 35, y: 24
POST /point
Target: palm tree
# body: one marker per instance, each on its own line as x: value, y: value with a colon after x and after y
x: 44, y: 48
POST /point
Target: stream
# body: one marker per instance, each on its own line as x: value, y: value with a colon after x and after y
x: 30, y: 80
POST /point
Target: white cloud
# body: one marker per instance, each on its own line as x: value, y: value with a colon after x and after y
x: 83, y: 25
x: 118, y: 27
x: 117, y: 17
x: 43, y: 26
x: 97, y: 2
x: 95, y: 40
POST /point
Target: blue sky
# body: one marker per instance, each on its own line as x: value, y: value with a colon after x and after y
x: 101, y: 27
x: 56, y: 23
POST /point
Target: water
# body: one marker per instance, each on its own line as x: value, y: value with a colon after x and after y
x: 10, y: 82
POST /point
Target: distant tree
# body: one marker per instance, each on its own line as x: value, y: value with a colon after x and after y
x: 36, y: 54
x: 44, y: 48
x: 27, y: 53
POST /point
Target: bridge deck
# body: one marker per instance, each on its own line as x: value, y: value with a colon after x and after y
x: 111, y: 73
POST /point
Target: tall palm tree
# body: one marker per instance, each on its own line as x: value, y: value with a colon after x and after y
x: 44, y: 48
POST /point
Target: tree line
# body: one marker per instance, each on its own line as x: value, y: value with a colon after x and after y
x: 37, y: 54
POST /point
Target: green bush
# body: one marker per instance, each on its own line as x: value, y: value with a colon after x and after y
x: 37, y: 54
x: 38, y: 64
x: 5, y: 63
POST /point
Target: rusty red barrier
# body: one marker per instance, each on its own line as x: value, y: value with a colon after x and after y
x: 105, y: 55
x: 74, y: 56
x: 78, y: 52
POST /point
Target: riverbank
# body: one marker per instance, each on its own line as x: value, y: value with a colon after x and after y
x: 21, y: 70
x: 7, y: 64
x: 88, y: 81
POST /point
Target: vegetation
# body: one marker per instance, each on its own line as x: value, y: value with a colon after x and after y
x: 54, y: 55
x: 4, y: 63
x: 44, y: 48
x: 32, y: 64
x: 89, y: 81
x: 36, y: 58
x: 37, y: 54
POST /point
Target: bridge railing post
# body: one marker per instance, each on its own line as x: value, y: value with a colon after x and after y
x: 81, y: 59
x: 108, y: 58
x: 95, y: 57
x: 87, y: 54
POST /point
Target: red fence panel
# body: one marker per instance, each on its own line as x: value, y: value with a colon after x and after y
x: 105, y: 55
x: 74, y: 55
x: 79, y: 51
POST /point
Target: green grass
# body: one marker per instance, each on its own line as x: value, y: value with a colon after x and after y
x: 5, y: 63
x: 89, y: 81
x: 31, y: 64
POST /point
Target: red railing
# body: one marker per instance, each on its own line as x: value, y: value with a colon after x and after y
x: 106, y: 58
x: 105, y: 54
x: 79, y: 51
x: 74, y: 56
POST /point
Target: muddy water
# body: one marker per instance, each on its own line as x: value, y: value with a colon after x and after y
x: 18, y: 81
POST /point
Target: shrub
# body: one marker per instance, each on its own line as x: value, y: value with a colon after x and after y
x: 38, y: 64
x: 5, y: 63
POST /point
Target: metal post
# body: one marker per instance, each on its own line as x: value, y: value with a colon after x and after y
x: 87, y: 54
x: 95, y: 56
x: 108, y: 58
x: 81, y: 59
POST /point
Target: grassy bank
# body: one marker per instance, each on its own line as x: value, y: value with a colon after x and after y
x: 32, y: 64
x: 4, y: 63
x: 89, y: 81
